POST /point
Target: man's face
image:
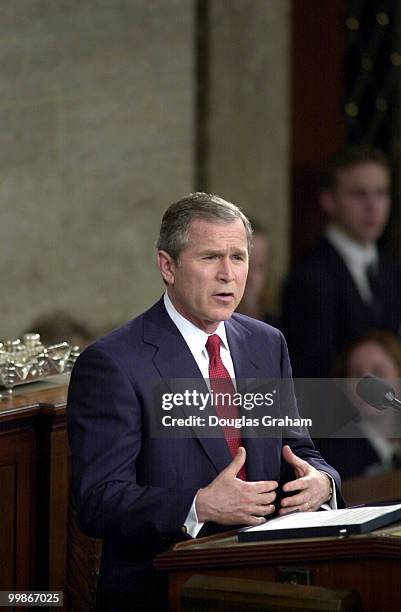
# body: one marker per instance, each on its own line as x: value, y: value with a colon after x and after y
x: 360, y: 202
x: 208, y: 282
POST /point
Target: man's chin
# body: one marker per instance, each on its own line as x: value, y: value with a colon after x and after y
x: 371, y: 234
x: 221, y: 314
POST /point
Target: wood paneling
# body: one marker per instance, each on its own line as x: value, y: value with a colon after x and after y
x: 39, y: 536
x: 17, y: 533
x: 7, y: 522
x: 317, y: 108
x: 368, y: 564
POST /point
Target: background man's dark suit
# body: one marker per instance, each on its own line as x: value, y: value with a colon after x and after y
x: 323, y: 311
x: 351, y: 456
x: 133, y: 490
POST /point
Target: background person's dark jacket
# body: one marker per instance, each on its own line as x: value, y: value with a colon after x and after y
x: 322, y: 310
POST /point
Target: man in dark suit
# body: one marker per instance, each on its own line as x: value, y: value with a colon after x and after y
x: 346, y: 286
x: 141, y: 492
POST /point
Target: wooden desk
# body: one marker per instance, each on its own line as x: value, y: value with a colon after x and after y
x: 34, y: 486
x: 37, y: 543
x: 369, y: 564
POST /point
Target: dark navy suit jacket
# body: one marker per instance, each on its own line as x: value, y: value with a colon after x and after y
x: 132, y: 489
x: 323, y: 312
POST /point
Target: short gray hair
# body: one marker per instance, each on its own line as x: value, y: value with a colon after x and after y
x: 174, y: 230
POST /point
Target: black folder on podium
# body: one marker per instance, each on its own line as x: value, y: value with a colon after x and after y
x: 339, y: 523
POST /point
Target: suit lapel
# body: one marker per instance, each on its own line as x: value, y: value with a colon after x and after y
x: 174, y: 360
x: 240, y: 342
x: 246, y: 369
x: 340, y: 269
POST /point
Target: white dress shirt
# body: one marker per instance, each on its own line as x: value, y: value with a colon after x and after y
x: 196, y: 340
x: 356, y: 256
x: 383, y: 448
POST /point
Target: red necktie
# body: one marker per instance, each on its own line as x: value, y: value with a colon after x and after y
x: 220, y: 382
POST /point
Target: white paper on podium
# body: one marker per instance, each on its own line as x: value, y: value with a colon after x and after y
x: 346, y: 516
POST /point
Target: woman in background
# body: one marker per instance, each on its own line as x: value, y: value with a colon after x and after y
x: 371, y: 442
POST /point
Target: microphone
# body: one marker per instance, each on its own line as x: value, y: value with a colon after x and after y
x: 378, y: 393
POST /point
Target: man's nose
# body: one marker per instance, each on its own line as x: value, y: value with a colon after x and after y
x: 226, y: 269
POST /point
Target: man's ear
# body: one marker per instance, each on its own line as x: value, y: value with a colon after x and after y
x: 327, y: 202
x: 166, y: 266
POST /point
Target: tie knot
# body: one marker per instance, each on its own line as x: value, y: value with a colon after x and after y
x: 213, y: 346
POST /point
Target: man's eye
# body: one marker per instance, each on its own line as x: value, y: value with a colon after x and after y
x: 239, y: 257
x: 210, y: 257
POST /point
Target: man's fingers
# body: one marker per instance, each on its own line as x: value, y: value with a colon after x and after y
x: 262, y: 510
x: 293, y: 459
x: 295, y: 500
x: 252, y: 520
x: 264, y: 499
x: 296, y: 485
x: 236, y: 464
x: 263, y: 486
x: 305, y: 507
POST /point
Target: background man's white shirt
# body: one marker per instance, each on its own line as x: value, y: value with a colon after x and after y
x: 357, y: 257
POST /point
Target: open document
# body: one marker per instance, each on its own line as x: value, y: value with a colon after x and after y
x: 326, y: 523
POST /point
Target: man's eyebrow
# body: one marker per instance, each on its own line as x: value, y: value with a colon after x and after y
x: 209, y: 252
x: 239, y: 251
x: 235, y: 250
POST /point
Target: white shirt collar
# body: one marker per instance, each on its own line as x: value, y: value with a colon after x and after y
x: 355, y: 255
x: 381, y: 445
x: 195, y: 337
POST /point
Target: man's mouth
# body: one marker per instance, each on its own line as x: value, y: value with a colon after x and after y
x: 225, y: 296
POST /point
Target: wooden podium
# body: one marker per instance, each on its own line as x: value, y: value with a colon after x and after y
x: 367, y: 564
x: 34, y: 489
x: 40, y: 546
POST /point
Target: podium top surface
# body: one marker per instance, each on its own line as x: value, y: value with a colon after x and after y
x: 224, y: 550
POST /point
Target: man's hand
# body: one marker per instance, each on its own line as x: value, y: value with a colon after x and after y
x: 231, y: 501
x: 313, y: 486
